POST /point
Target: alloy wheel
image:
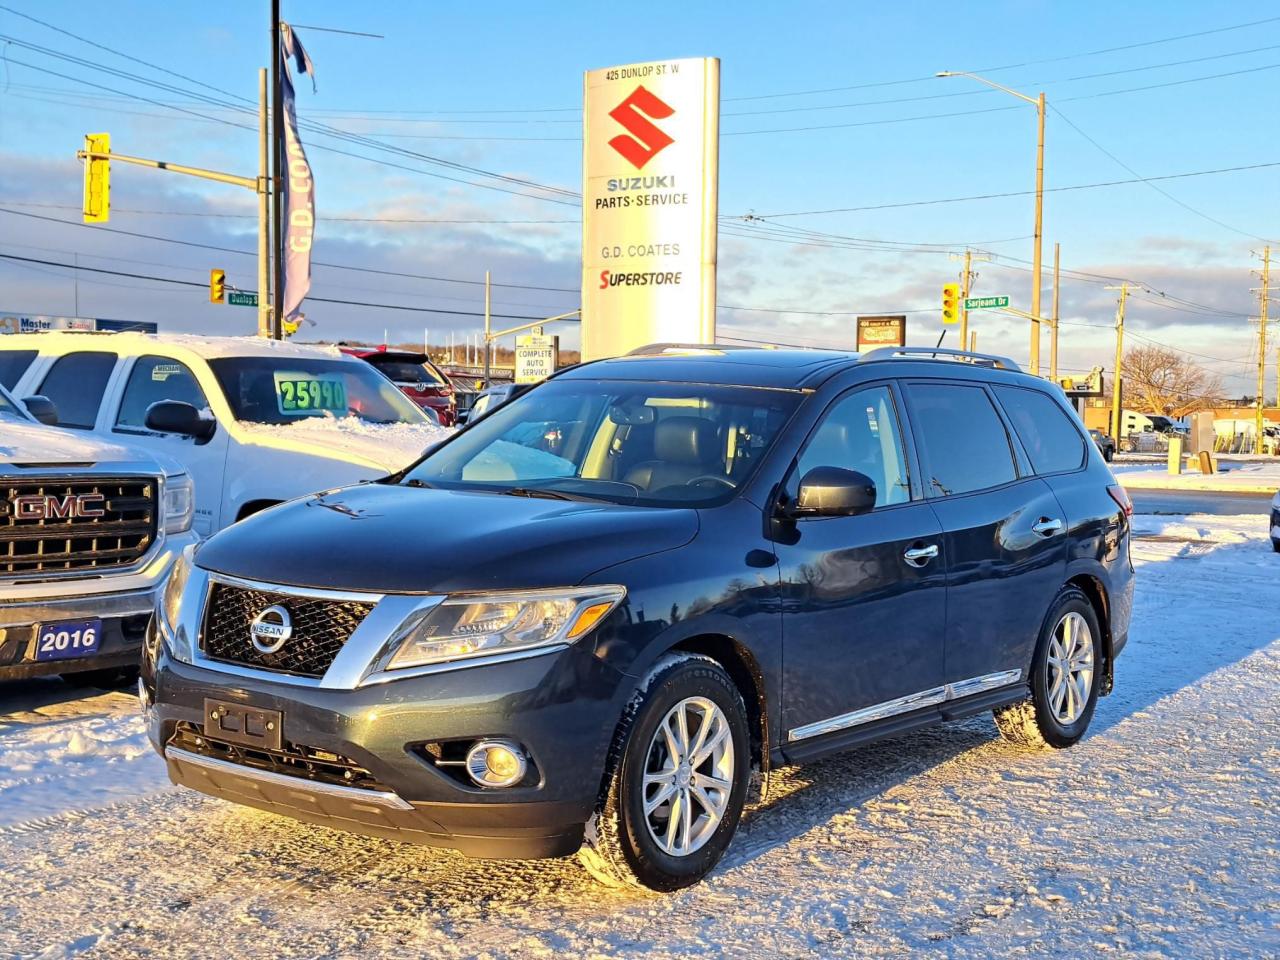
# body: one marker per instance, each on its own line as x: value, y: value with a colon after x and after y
x: 688, y: 776
x: 1070, y: 665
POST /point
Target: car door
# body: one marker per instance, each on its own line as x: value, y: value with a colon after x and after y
x: 864, y: 597
x: 150, y: 379
x: 1004, y: 533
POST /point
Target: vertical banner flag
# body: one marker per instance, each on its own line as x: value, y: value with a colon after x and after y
x: 299, y: 187
x: 650, y: 169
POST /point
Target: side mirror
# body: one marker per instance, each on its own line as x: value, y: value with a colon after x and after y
x: 461, y: 417
x: 43, y: 409
x: 174, y: 416
x: 833, y: 492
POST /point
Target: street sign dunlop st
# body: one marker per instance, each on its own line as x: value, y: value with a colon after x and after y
x: 242, y: 298
x: 985, y: 303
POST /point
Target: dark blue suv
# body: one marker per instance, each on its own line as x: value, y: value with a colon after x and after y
x: 585, y: 620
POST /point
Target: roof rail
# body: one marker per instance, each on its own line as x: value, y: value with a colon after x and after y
x: 661, y: 349
x: 907, y: 353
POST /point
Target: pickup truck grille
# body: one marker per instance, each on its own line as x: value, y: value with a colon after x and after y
x: 81, y: 525
x: 320, y: 628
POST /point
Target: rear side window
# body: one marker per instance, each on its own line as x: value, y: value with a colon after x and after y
x: 154, y: 379
x: 13, y: 364
x: 963, y: 439
x: 1050, y: 438
x: 76, y: 383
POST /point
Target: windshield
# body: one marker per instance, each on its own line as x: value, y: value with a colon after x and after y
x: 9, y: 407
x: 667, y: 444
x: 403, y: 371
x: 278, y: 390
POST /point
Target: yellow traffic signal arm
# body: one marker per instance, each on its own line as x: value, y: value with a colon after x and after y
x: 252, y: 183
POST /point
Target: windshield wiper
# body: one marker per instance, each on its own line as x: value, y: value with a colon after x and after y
x: 537, y: 493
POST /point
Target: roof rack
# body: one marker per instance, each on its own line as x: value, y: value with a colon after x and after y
x: 675, y: 349
x: 908, y: 353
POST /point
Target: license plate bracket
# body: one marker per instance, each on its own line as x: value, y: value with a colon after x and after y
x: 68, y: 639
x: 244, y: 725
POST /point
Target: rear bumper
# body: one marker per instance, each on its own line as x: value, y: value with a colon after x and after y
x: 561, y: 707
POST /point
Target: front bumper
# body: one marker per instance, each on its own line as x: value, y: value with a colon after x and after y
x: 562, y: 707
x: 122, y: 601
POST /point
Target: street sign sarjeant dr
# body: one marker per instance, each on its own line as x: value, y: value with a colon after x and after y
x: 984, y: 303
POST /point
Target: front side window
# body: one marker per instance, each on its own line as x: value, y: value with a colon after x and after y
x: 652, y: 444
x: 76, y: 383
x: 283, y: 390
x: 154, y: 379
x: 860, y: 432
x: 1050, y: 438
x: 962, y: 438
x: 13, y: 364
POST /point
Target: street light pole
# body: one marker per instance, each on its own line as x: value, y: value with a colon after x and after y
x: 1039, y: 104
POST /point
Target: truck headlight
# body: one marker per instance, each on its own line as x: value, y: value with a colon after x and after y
x: 171, y: 599
x: 463, y: 627
x: 179, y: 504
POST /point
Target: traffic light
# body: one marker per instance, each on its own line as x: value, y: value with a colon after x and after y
x: 217, y: 286
x: 950, y: 303
x: 97, y: 178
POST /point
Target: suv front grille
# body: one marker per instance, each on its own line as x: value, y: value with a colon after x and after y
x: 44, y: 527
x: 320, y: 628
x: 294, y: 760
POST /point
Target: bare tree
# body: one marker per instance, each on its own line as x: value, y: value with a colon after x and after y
x: 1159, y: 380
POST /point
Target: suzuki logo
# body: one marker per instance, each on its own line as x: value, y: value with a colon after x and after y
x: 271, y: 629
x: 647, y: 139
x: 48, y: 507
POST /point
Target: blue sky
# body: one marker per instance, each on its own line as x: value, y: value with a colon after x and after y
x: 498, y: 88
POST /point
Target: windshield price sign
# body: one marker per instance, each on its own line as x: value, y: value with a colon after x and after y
x: 305, y: 394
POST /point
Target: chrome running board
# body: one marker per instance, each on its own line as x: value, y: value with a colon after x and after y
x: 379, y: 798
x: 914, y: 701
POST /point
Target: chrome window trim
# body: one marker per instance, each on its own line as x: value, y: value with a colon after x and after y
x: 380, y: 798
x: 915, y: 701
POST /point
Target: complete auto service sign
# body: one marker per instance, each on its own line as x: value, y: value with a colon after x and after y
x: 649, y: 204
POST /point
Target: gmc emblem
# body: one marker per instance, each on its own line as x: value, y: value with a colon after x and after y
x: 48, y: 507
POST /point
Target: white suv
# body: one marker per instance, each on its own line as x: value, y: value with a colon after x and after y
x: 254, y: 421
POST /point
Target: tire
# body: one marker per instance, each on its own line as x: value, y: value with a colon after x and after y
x: 623, y: 846
x: 1275, y: 545
x: 1109, y: 454
x: 1058, y: 716
x: 107, y: 679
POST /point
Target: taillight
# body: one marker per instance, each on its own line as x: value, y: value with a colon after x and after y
x: 1121, y: 497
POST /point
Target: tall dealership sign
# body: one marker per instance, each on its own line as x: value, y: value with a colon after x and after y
x: 650, y: 171
x: 874, y: 332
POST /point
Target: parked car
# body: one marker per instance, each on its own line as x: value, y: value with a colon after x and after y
x: 89, y: 531
x: 1275, y: 522
x: 1106, y: 446
x: 417, y: 377
x: 658, y: 573
x: 254, y: 421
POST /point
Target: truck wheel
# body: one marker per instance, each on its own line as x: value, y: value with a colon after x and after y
x: 677, y: 779
x: 1066, y: 674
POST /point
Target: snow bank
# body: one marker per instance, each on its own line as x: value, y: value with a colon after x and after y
x: 1251, y: 476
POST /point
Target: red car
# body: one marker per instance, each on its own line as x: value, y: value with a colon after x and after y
x: 417, y: 377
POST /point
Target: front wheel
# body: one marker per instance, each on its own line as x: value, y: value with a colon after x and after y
x: 1066, y: 674
x: 678, y: 779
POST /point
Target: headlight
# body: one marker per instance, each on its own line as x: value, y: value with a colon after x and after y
x: 179, y: 504
x: 463, y: 627
x: 171, y: 599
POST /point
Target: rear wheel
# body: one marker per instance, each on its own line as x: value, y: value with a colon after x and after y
x: 1066, y: 674
x: 678, y: 780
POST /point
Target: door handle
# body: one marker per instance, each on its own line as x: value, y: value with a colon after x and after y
x: 1046, y: 527
x: 919, y: 556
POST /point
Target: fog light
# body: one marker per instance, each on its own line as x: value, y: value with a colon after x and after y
x: 496, y: 763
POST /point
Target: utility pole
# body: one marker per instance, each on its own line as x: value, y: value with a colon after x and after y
x: 488, y: 343
x: 1035, y: 266
x: 973, y: 342
x: 278, y: 172
x: 966, y: 278
x: 1119, y: 371
x: 264, y: 213
x: 1264, y: 296
x: 1053, y: 343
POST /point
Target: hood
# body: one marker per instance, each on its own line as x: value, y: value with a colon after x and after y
x: 388, y: 447
x: 36, y: 445
x: 386, y: 538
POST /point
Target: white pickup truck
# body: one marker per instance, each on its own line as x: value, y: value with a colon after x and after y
x: 254, y: 421
x: 88, y: 533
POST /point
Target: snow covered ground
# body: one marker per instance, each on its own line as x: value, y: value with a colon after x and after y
x: 1234, y: 476
x: 1158, y: 836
